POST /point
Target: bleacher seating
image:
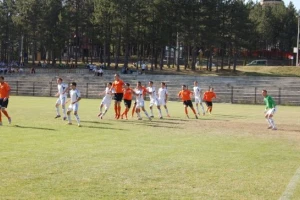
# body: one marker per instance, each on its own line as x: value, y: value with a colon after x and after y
x: 234, y: 89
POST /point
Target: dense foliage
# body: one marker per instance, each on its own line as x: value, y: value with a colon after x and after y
x: 157, y: 31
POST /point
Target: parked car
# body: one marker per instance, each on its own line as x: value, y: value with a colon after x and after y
x: 258, y: 63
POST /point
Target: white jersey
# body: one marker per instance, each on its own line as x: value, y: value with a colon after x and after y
x: 162, y: 92
x: 107, y: 98
x: 108, y: 93
x: 197, y: 92
x: 62, y: 90
x: 139, y: 95
x: 74, y: 95
x: 152, y: 92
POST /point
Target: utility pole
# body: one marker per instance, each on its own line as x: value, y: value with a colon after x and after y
x: 297, y: 57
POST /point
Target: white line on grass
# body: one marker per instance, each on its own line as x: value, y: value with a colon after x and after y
x: 289, y: 191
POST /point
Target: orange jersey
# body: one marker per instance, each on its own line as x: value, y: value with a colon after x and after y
x: 185, y: 95
x: 4, y: 90
x: 209, y: 95
x: 144, y: 90
x: 127, y: 94
x: 118, y: 86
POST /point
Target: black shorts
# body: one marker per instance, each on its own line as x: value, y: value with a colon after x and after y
x: 3, y: 104
x: 188, y: 103
x: 118, y: 97
x: 127, y: 103
x: 209, y: 103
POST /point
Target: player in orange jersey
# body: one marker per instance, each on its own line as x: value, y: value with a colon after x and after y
x: 118, y: 96
x: 208, y: 97
x: 127, y: 91
x: 185, y: 96
x: 4, y: 99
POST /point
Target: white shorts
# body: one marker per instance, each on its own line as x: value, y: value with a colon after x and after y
x: 61, y: 101
x: 162, y: 102
x: 140, y: 104
x: 154, y: 102
x: 73, y: 107
x: 198, y: 100
x: 106, y: 102
x: 271, y: 111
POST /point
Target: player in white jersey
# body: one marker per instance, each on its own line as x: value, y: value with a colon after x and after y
x: 163, y: 96
x: 106, y: 101
x: 62, y: 97
x: 75, y: 97
x: 198, y: 97
x: 153, y: 99
x: 140, y: 92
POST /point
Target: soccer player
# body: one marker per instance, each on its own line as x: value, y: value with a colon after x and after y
x: 198, y: 98
x: 4, y: 99
x: 208, y: 97
x: 118, y: 96
x: 106, y: 101
x: 75, y: 97
x: 140, y: 92
x: 62, y: 97
x: 185, y: 96
x: 163, y: 96
x: 153, y: 99
x: 127, y: 99
x: 269, y: 110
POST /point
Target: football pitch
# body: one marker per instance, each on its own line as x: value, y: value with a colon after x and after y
x: 227, y: 155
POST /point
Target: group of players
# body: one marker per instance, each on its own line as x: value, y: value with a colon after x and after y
x: 118, y: 91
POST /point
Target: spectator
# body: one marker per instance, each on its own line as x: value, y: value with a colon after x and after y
x: 21, y: 70
x: 32, y: 70
x: 143, y: 66
x: 44, y: 64
x: 100, y: 72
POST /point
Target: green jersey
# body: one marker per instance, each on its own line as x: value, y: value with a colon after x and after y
x: 270, y: 103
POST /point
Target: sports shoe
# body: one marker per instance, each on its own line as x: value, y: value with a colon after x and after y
x: 152, y: 116
x: 69, y: 123
x: 57, y: 116
x: 65, y: 118
x: 270, y: 127
x: 9, y: 120
x: 187, y: 116
x: 160, y: 117
x: 274, y: 128
x: 196, y: 116
x: 140, y: 118
x: 99, y: 114
x: 79, y: 125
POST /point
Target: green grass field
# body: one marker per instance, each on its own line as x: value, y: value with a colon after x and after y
x: 227, y: 155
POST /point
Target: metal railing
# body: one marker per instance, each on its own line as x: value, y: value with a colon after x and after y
x: 225, y: 94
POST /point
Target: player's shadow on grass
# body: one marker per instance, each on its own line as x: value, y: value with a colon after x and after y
x: 37, y: 128
x: 153, y: 124
x: 232, y: 116
x: 100, y: 127
x: 97, y: 122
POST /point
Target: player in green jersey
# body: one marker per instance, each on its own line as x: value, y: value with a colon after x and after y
x: 269, y: 110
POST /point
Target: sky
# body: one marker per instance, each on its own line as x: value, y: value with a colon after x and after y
x: 295, y: 2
